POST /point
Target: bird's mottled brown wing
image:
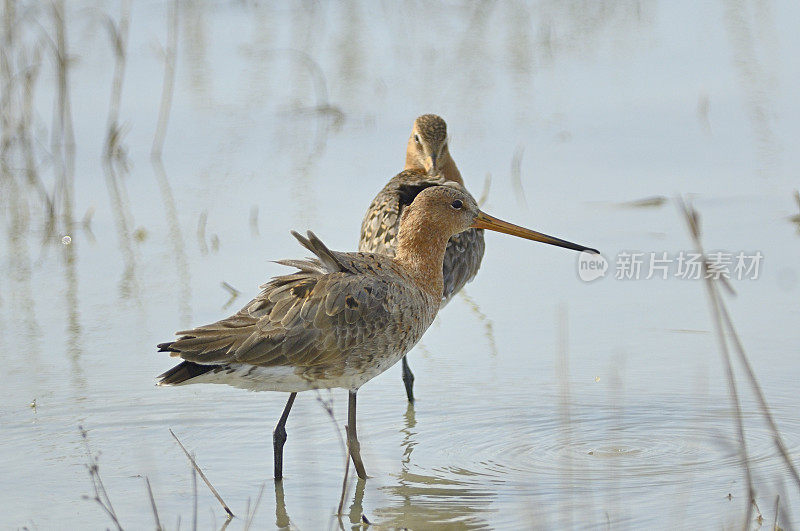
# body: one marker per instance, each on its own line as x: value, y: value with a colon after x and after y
x: 302, y: 320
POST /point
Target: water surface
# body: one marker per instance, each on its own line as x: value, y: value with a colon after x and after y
x: 543, y: 401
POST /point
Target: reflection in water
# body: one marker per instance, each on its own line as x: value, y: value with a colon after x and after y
x: 74, y: 347
x: 488, y: 325
x: 195, y: 48
x: 473, y: 55
x: 63, y: 149
x: 175, y: 234
x: 357, y: 507
x: 115, y: 158
x: 350, y: 60
x: 21, y: 304
x: 261, y: 83
x: 453, y: 497
x: 306, y: 21
x: 408, y: 436
x: 21, y: 188
x: 516, y: 177
x: 756, y: 81
x: 128, y: 285
x: 326, y: 117
x: 282, y: 520
x: 520, y: 52
x: 796, y: 218
x: 293, y: 136
x: 575, y: 27
x: 176, y: 240
x: 703, y: 108
x: 278, y: 90
x: 565, y: 429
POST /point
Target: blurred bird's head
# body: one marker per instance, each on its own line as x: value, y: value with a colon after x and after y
x: 427, y: 145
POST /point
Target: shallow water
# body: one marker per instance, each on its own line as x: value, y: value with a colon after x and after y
x: 543, y: 401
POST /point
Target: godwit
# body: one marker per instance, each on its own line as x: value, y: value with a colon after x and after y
x: 341, y: 319
x: 428, y: 163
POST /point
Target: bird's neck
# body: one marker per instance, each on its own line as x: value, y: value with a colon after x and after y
x: 449, y: 168
x: 420, y: 251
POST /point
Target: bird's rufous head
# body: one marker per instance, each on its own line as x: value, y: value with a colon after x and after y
x: 452, y: 209
x: 427, y: 145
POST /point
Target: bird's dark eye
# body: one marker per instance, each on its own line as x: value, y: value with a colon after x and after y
x: 416, y: 139
x: 457, y: 204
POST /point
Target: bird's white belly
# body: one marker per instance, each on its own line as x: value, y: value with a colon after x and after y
x: 286, y: 379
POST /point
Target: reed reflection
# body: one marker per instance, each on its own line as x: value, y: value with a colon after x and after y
x: 115, y: 157
x: 63, y: 149
x: 421, y: 500
x: 170, y: 207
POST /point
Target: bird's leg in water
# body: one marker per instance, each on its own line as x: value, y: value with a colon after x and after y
x: 352, y: 437
x: 408, y: 380
x: 279, y: 438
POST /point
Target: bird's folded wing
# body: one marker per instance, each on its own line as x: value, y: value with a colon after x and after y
x: 301, y: 320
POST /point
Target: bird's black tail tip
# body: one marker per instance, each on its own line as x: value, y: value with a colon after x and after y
x: 183, y: 372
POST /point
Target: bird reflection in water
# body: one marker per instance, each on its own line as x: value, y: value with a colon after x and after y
x: 423, y: 500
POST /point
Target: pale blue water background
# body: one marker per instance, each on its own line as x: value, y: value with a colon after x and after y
x: 609, y: 104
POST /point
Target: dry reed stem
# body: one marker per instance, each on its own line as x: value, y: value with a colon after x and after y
x: 100, y: 492
x: 194, y: 494
x: 250, y: 516
x: 202, y: 475
x: 693, y: 223
x: 725, y: 318
x: 762, y: 400
x: 153, y: 504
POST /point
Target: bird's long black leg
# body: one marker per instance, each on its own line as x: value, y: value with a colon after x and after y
x: 408, y: 380
x: 279, y: 437
x: 352, y: 437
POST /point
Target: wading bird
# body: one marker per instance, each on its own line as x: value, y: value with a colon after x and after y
x: 342, y: 318
x: 428, y: 163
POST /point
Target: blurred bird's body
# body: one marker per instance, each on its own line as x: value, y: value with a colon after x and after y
x: 428, y: 163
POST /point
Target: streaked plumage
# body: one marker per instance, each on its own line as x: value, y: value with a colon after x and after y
x: 341, y: 319
x: 380, y: 226
x: 428, y: 163
x: 293, y: 335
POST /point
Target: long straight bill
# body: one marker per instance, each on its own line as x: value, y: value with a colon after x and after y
x: 485, y: 221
